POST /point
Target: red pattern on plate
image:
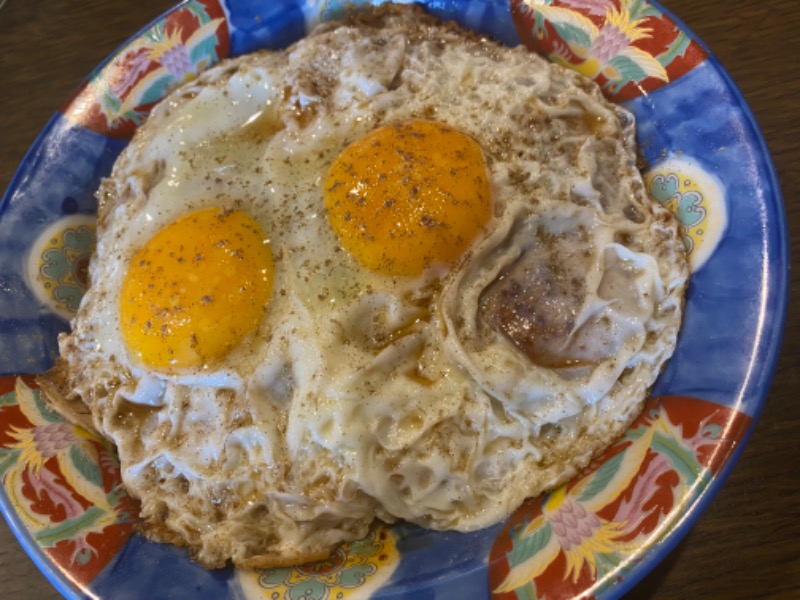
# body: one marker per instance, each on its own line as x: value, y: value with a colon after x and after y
x: 174, y: 50
x: 81, y: 523
x: 579, y: 539
x: 627, y: 46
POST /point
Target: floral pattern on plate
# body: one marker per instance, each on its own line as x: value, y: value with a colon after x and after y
x: 58, y: 263
x: 629, y: 47
x: 352, y: 571
x: 578, y: 539
x: 696, y: 198
x: 173, y: 51
x: 63, y: 483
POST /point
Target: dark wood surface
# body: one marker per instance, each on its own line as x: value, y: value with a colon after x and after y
x: 747, y: 544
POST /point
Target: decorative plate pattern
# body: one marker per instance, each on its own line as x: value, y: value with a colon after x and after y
x: 578, y: 539
x: 116, y: 99
x: 697, y: 198
x: 63, y: 483
x: 353, y: 570
x: 595, y: 536
x: 58, y: 263
x: 629, y: 47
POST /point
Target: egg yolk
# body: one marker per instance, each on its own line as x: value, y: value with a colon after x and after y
x: 196, y: 288
x: 408, y: 195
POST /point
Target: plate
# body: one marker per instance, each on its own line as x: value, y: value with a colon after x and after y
x: 596, y: 536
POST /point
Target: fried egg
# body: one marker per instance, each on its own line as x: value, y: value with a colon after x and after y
x: 396, y: 271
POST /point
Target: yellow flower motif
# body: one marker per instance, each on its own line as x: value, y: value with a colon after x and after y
x: 158, y: 48
x: 581, y: 534
x: 612, y: 41
x: 630, y: 28
x: 158, y: 61
x: 50, y: 438
x: 573, y: 527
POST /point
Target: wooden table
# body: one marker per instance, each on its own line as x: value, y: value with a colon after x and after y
x: 747, y: 545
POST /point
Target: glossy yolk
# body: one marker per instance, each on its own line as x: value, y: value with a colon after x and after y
x: 195, y: 289
x: 407, y: 196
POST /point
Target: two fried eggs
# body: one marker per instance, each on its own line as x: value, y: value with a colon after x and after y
x: 397, y: 271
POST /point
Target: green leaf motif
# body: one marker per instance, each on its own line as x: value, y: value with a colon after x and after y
x: 602, y: 477
x: 116, y: 495
x: 199, y: 11
x: 539, y: 28
x: 8, y: 458
x: 640, y: 9
x: 628, y: 69
x: 676, y: 48
x: 712, y: 431
x: 156, y: 33
x: 134, y: 116
x: 86, y: 466
x: 8, y: 399
x: 572, y: 35
x: 44, y: 410
x: 606, y: 563
x: 526, y: 547
x: 69, y: 529
x: 634, y: 433
x: 682, y: 457
x: 110, y: 102
x: 84, y: 556
x: 203, y: 50
x: 527, y: 592
x: 160, y: 88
